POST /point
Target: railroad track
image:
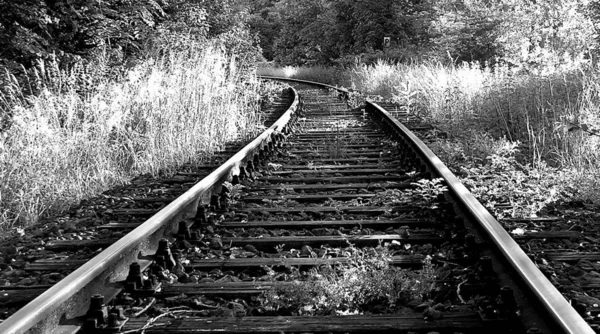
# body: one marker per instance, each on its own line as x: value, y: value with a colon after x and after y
x: 333, y: 220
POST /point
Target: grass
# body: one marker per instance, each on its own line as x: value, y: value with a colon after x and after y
x: 542, y: 113
x: 530, y: 108
x: 64, y: 145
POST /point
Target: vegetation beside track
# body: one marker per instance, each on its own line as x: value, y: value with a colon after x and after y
x: 63, y: 147
x: 76, y: 122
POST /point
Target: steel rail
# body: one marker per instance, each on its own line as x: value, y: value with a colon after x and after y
x: 44, y: 314
x: 552, y: 300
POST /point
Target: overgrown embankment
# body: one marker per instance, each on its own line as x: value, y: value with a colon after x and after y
x: 63, y: 146
x: 71, y: 127
x: 546, y: 120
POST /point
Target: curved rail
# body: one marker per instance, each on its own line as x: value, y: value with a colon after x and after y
x: 552, y: 300
x: 339, y: 89
x: 44, y: 314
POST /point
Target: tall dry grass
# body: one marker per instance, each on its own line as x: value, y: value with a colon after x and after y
x: 552, y: 112
x: 536, y: 109
x: 64, y: 145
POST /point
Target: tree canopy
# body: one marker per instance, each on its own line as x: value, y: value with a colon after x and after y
x: 337, y: 31
x: 303, y: 31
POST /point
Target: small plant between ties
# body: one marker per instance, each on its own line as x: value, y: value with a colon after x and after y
x: 365, y: 282
x: 235, y: 192
x: 336, y: 148
x: 425, y: 194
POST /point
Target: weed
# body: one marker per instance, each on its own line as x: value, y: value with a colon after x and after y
x: 501, y: 178
x: 235, y: 192
x: 366, y: 282
x: 425, y: 194
x: 336, y: 149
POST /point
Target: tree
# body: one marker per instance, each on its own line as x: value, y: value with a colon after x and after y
x: 265, y: 22
x: 34, y: 29
x: 308, y: 32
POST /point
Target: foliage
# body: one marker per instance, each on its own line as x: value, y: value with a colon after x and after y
x: 89, y: 41
x: 344, y: 32
x: 465, y: 31
x: 116, y: 32
x: 426, y: 193
x: 36, y: 29
x: 366, y: 282
x: 552, y: 112
x: 490, y: 168
x: 523, y: 33
x: 547, y: 34
x: 500, y: 179
x: 265, y: 23
x: 323, y: 32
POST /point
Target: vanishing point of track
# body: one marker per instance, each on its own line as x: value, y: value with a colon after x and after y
x: 313, y: 187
